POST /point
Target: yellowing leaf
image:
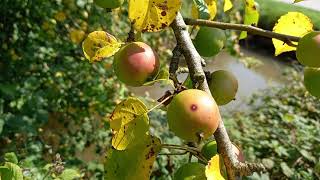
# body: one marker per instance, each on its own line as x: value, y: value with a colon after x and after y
x: 212, y: 7
x: 296, y: 1
x: 213, y: 169
x: 76, y: 35
x: 134, y: 163
x: 227, y: 5
x: 152, y: 15
x: 99, y: 45
x: 126, y: 111
x: 130, y: 122
x: 294, y: 24
x: 251, y: 16
x: 60, y: 16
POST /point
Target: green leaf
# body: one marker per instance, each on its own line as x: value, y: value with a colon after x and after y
x: 11, y: 171
x: 129, y: 122
x: 134, y: 163
x: 203, y: 11
x: 1, y: 124
x: 162, y: 77
x: 307, y: 155
x: 286, y: 169
x: 11, y: 157
x: 99, y: 45
x: 69, y: 174
x: 251, y: 16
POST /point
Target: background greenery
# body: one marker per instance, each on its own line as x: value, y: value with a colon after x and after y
x: 53, y: 102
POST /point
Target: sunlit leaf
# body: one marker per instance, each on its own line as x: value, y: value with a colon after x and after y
x: 251, y: 16
x: 162, y: 77
x: 211, y: 8
x: 296, y: 1
x: 76, y: 35
x: 129, y: 122
x: 134, y: 163
x: 213, y: 169
x: 99, y: 45
x: 152, y: 15
x: 69, y: 174
x: 294, y: 24
x: 60, y: 16
x: 11, y: 157
x: 11, y: 171
x: 227, y: 5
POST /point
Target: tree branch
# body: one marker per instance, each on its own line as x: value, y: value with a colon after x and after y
x: 242, y: 27
x: 193, y: 59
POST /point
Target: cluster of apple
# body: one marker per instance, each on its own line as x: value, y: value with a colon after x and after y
x: 308, y: 54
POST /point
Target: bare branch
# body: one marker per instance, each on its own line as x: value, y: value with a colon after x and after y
x: 193, y: 59
x: 242, y: 27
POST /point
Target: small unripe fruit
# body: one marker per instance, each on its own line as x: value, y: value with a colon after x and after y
x: 312, y: 81
x: 308, y: 50
x: 136, y: 63
x: 209, y: 41
x: 223, y: 86
x: 191, y: 171
x: 209, y: 150
x: 193, y: 114
x: 110, y: 4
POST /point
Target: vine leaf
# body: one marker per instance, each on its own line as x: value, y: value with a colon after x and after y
x: 133, y: 163
x: 152, y: 15
x: 294, y: 24
x: 99, y: 45
x: 227, y: 5
x: 129, y: 122
x: 213, y: 169
x: 162, y: 77
x: 251, y: 16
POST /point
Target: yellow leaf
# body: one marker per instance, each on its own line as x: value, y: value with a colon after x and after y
x: 152, y: 15
x: 213, y: 169
x: 76, y: 35
x: 294, y: 24
x: 129, y: 121
x: 212, y: 7
x: 99, y: 45
x: 251, y: 16
x: 227, y: 5
x: 60, y: 16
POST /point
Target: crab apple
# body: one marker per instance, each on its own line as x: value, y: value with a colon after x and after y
x: 136, y: 63
x: 308, y: 50
x: 223, y: 86
x: 209, y: 150
x: 209, y: 41
x: 110, y: 4
x: 312, y: 81
x: 191, y: 171
x: 193, y: 114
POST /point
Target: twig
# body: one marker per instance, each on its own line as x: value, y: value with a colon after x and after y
x: 194, y: 151
x: 242, y: 27
x: 193, y: 59
x: 159, y: 104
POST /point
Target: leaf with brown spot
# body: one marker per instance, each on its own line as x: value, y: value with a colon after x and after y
x: 130, y: 122
x: 152, y: 15
x: 99, y: 45
x: 134, y: 163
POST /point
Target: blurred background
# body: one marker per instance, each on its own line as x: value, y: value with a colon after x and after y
x: 53, y: 101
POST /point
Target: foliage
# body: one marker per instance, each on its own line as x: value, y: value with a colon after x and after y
x: 281, y: 130
x: 50, y: 101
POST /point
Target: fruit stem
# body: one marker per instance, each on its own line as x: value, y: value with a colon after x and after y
x: 159, y: 104
x: 193, y: 151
